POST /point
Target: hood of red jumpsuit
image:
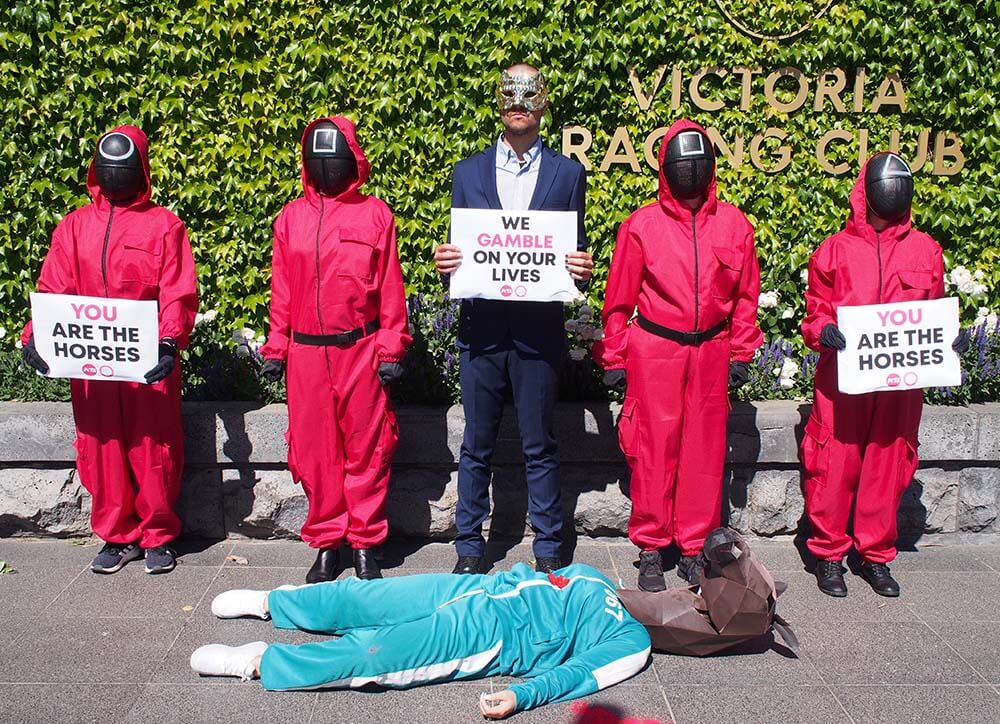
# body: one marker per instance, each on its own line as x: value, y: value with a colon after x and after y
x: 857, y: 221
x: 346, y: 127
x: 671, y: 205
x: 138, y: 137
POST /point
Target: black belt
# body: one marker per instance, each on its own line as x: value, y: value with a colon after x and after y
x: 344, y: 339
x: 690, y: 338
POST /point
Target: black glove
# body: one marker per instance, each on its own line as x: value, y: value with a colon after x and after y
x: 962, y: 341
x: 832, y: 337
x: 272, y: 370
x: 739, y: 374
x: 32, y: 358
x: 615, y: 379
x: 389, y: 372
x: 168, y: 358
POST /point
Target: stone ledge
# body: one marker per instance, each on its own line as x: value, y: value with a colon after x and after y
x: 236, y: 483
x: 234, y: 433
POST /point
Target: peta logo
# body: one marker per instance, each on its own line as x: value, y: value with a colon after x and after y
x: 506, y: 290
x: 892, y: 380
x: 89, y: 370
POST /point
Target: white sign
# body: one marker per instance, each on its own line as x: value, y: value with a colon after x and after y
x: 95, y: 338
x: 900, y: 346
x: 514, y: 255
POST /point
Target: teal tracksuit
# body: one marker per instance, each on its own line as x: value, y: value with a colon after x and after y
x: 569, y: 633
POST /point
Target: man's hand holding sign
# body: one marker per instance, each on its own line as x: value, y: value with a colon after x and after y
x: 906, y: 345
x: 515, y: 255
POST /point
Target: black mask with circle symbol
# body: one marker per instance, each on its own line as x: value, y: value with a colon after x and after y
x: 118, y: 168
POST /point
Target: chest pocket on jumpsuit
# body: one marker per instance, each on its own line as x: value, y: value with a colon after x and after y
x: 354, y: 266
x: 729, y: 271
x: 914, y: 284
x: 137, y: 262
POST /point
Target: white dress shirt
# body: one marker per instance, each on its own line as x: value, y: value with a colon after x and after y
x: 516, y: 180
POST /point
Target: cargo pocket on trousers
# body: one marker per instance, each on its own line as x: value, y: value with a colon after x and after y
x: 816, y: 452
x: 82, y: 461
x: 293, y: 466
x: 627, y: 431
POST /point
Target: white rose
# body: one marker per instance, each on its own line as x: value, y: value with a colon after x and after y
x: 960, y: 275
x: 767, y: 300
x: 18, y: 344
x: 210, y: 315
x: 978, y: 290
x: 577, y: 354
x: 786, y: 383
x: 804, y: 275
x: 979, y: 275
x: 3, y: 332
x: 788, y: 313
x: 789, y: 368
x: 198, y: 318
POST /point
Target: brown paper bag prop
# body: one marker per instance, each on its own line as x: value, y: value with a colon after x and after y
x: 735, y: 604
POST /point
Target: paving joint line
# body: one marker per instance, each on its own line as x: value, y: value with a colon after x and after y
x: 947, y: 643
x: 819, y: 672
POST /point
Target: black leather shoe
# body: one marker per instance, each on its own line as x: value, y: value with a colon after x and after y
x: 877, y: 574
x: 830, y: 578
x: 365, y: 566
x: 651, y: 572
x: 325, y: 566
x: 689, y: 568
x: 547, y: 565
x: 468, y: 564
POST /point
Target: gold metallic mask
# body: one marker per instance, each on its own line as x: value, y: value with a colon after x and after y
x: 522, y: 91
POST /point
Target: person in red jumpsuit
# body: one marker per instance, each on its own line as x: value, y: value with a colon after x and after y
x: 338, y: 322
x: 861, y: 450
x: 688, y: 262
x: 129, y: 440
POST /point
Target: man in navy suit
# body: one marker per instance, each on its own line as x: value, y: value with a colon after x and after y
x: 513, y: 343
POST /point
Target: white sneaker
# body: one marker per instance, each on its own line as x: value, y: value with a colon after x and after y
x: 221, y: 660
x: 244, y: 602
x: 241, y: 602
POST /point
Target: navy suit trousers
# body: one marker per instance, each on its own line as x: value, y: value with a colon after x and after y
x: 533, y: 380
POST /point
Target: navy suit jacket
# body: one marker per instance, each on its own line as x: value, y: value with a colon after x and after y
x: 534, y: 327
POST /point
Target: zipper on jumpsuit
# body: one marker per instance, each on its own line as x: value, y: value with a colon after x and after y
x: 319, y: 312
x: 104, y: 252
x: 878, y: 252
x: 694, y: 239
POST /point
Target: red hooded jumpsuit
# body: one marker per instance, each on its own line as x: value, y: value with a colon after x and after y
x: 129, y: 439
x: 335, y: 268
x: 862, y: 448
x: 687, y: 271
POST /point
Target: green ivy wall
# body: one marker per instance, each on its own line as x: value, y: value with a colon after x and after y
x: 224, y: 89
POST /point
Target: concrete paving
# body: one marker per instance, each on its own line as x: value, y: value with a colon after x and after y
x: 77, y: 647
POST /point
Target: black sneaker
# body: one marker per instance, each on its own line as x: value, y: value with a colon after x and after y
x: 830, y: 578
x: 160, y: 559
x: 877, y: 574
x: 115, y: 555
x: 651, y: 572
x: 689, y: 568
x: 547, y: 565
